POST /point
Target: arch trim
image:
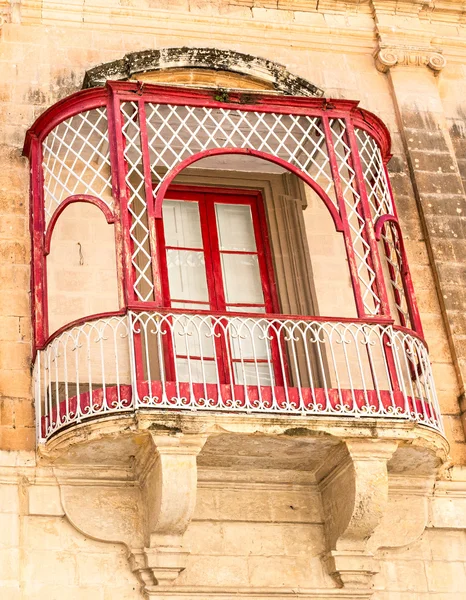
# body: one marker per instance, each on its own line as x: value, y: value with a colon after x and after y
x: 160, y: 195
x: 109, y: 216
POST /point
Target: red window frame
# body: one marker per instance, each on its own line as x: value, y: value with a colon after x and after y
x: 207, y: 197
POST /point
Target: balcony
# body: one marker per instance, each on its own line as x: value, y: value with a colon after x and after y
x: 270, y: 365
x: 179, y: 241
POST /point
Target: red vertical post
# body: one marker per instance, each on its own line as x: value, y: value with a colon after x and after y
x: 116, y: 195
x: 117, y: 146
x: 38, y: 266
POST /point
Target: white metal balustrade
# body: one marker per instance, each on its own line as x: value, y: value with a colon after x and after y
x: 229, y: 363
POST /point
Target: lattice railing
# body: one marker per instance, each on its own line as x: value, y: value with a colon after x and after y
x: 76, y: 160
x: 375, y: 178
x: 262, y: 364
x: 137, y: 203
x: 380, y: 201
x: 178, y: 132
x: 355, y: 218
x: 393, y: 256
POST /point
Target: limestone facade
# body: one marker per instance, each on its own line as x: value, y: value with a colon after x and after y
x: 182, y: 506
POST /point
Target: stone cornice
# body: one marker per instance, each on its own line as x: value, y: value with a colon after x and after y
x: 389, y: 57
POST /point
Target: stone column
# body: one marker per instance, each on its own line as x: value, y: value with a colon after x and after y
x: 436, y: 181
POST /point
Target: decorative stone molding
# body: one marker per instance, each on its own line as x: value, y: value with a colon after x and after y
x: 406, y: 516
x: 386, y: 58
x: 354, y: 488
x: 207, y: 58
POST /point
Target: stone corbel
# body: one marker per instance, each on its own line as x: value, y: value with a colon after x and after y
x: 148, y: 513
x: 167, y: 474
x: 354, y: 488
x: 386, y: 58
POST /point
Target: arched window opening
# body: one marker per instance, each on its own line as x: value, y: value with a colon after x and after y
x: 252, y: 259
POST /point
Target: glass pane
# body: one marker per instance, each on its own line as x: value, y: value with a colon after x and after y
x: 186, y: 275
x: 192, y: 336
x: 181, y: 224
x: 235, y: 228
x: 253, y: 374
x: 242, y: 279
x: 196, y: 371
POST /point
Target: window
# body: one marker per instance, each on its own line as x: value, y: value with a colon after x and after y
x: 214, y: 252
x: 214, y: 257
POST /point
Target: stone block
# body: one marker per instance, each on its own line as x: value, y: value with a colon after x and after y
x: 434, y: 162
x: 44, y: 500
x: 278, y: 571
x: 303, y: 540
x: 9, y: 564
x: 446, y: 576
x: 438, y: 183
x: 48, y: 567
x: 18, y: 383
x: 419, y: 139
x: 9, y: 500
x: 204, y: 537
x: 100, y: 569
x: 42, y: 533
x: 15, y: 355
x: 222, y: 571
x: 405, y: 575
x: 446, y: 545
x: 17, y: 438
x: 448, y: 513
x: 252, y: 539
x: 39, y: 591
x: 11, y: 590
x: 9, y: 531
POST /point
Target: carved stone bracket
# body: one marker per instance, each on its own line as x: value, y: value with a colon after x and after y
x: 148, y: 514
x: 354, y: 488
x: 388, y: 57
x: 168, y: 481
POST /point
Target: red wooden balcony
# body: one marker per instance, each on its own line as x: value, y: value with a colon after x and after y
x: 189, y: 278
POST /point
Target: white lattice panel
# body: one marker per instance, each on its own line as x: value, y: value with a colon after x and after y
x: 139, y: 229
x: 76, y: 160
x: 375, y: 178
x: 355, y: 218
x: 380, y: 202
x: 178, y: 132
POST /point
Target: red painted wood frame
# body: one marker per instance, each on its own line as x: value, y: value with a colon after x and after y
x: 111, y: 96
x: 206, y: 198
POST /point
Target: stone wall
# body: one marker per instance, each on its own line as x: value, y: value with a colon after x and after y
x: 243, y: 537
x: 265, y: 537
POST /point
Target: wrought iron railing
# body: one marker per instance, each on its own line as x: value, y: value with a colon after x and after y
x: 234, y: 363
